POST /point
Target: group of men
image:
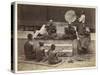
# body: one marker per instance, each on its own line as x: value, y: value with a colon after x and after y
x: 46, y: 30
x: 37, y: 53
x: 77, y: 30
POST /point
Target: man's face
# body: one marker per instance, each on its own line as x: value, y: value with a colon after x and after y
x: 30, y: 37
x: 50, y: 21
x: 53, y: 47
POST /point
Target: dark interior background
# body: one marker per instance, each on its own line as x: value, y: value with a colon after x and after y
x: 36, y: 15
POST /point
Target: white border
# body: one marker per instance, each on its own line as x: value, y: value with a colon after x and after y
x: 15, y: 36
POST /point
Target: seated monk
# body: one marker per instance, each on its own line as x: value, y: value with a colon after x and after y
x: 40, y: 52
x: 69, y: 32
x: 84, y: 39
x: 52, y: 55
x: 51, y: 29
x: 29, y: 48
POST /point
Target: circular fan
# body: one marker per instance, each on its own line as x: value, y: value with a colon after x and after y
x: 70, y: 16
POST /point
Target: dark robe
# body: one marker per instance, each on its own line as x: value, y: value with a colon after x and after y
x: 51, y: 29
x: 82, y: 45
x: 70, y: 32
x: 84, y: 38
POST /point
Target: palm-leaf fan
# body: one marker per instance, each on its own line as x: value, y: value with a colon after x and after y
x: 70, y: 16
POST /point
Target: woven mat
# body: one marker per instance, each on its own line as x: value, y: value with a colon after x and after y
x: 42, y: 63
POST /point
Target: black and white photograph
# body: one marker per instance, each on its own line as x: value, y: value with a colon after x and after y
x: 50, y: 37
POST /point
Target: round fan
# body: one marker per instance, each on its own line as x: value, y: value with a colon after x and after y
x: 70, y: 16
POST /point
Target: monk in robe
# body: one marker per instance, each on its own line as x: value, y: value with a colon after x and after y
x: 53, y: 56
x: 40, y: 52
x: 51, y: 29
